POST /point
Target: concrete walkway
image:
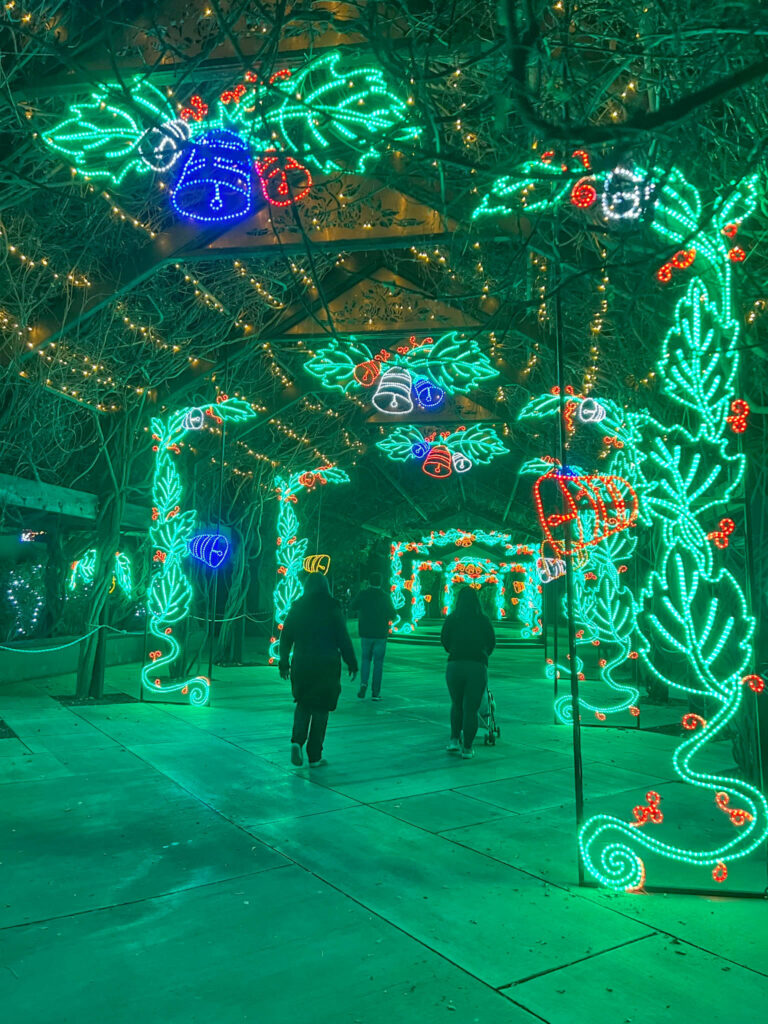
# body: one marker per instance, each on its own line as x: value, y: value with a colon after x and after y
x: 166, y: 865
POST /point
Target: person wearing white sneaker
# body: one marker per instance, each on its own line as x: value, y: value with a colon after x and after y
x: 469, y: 638
x: 316, y: 633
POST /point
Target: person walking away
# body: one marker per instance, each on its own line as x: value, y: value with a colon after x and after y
x: 316, y: 631
x: 469, y: 638
x: 374, y: 614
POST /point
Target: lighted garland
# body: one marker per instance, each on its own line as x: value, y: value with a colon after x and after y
x: 291, y: 549
x: 333, y: 114
x: 693, y: 627
x: 442, y: 454
x: 170, y: 590
x: 419, y: 372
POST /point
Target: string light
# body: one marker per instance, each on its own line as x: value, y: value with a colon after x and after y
x: 42, y: 263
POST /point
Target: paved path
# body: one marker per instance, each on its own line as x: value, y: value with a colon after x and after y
x: 166, y: 865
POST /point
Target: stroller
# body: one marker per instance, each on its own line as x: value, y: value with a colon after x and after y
x: 486, y: 719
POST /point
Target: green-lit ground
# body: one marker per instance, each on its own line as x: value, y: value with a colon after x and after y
x: 165, y: 864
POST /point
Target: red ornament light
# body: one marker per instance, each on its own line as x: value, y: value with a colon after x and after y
x: 691, y: 721
x: 598, y: 714
x: 730, y: 230
x: 739, y: 413
x: 650, y: 812
x: 233, y: 95
x: 634, y: 711
x: 664, y: 273
x: 755, y: 683
x: 583, y: 194
x: 196, y: 110
x: 720, y: 537
x: 737, y: 254
x: 273, y: 175
x: 683, y: 259
x: 720, y: 873
x: 583, y: 157
x: 737, y: 815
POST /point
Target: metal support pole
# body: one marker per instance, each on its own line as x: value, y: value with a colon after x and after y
x: 215, y: 592
x: 563, y: 454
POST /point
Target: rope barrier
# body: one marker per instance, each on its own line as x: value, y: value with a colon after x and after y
x: 61, y: 647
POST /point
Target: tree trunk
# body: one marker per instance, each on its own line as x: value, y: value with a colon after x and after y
x: 234, y: 606
x: 116, y: 460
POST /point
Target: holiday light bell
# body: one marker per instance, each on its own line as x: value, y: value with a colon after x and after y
x: 215, y: 183
x: 428, y: 395
x: 438, y: 462
x: 393, y: 395
x: 461, y: 462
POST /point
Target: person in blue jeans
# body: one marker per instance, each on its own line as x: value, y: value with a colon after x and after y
x: 374, y: 614
x: 469, y: 638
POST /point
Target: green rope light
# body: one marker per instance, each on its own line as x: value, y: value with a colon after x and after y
x: 169, y: 596
x: 694, y: 632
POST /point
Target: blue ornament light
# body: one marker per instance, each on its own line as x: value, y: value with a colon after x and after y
x: 427, y: 394
x: 420, y: 450
x: 209, y: 548
x: 216, y: 181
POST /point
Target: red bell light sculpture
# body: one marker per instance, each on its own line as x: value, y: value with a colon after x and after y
x: 611, y: 500
x: 438, y: 462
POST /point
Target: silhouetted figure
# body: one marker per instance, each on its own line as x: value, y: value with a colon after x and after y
x: 469, y: 638
x: 374, y: 614
x: 316, y: 631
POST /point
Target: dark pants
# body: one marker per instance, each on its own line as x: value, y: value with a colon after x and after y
x: 467, y: 682
x: 310, y: 721
x: 373, y: 650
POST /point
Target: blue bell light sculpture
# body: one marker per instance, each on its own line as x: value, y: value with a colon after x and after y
x: 427, y: 394
x: 209, y: 548
x: 215, y: 183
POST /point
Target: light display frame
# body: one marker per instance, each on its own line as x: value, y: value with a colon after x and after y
x: 529, y: 600
x: 169, y: 596
x: 292, y: 549
x: 692, y: 625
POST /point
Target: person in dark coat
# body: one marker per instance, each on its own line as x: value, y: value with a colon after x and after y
x: 469, y: 638
x: 316, y: 631
x: 375, y: 611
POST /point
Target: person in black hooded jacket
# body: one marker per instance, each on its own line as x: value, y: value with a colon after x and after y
x: 316, y: 631
x: 469, y: 638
